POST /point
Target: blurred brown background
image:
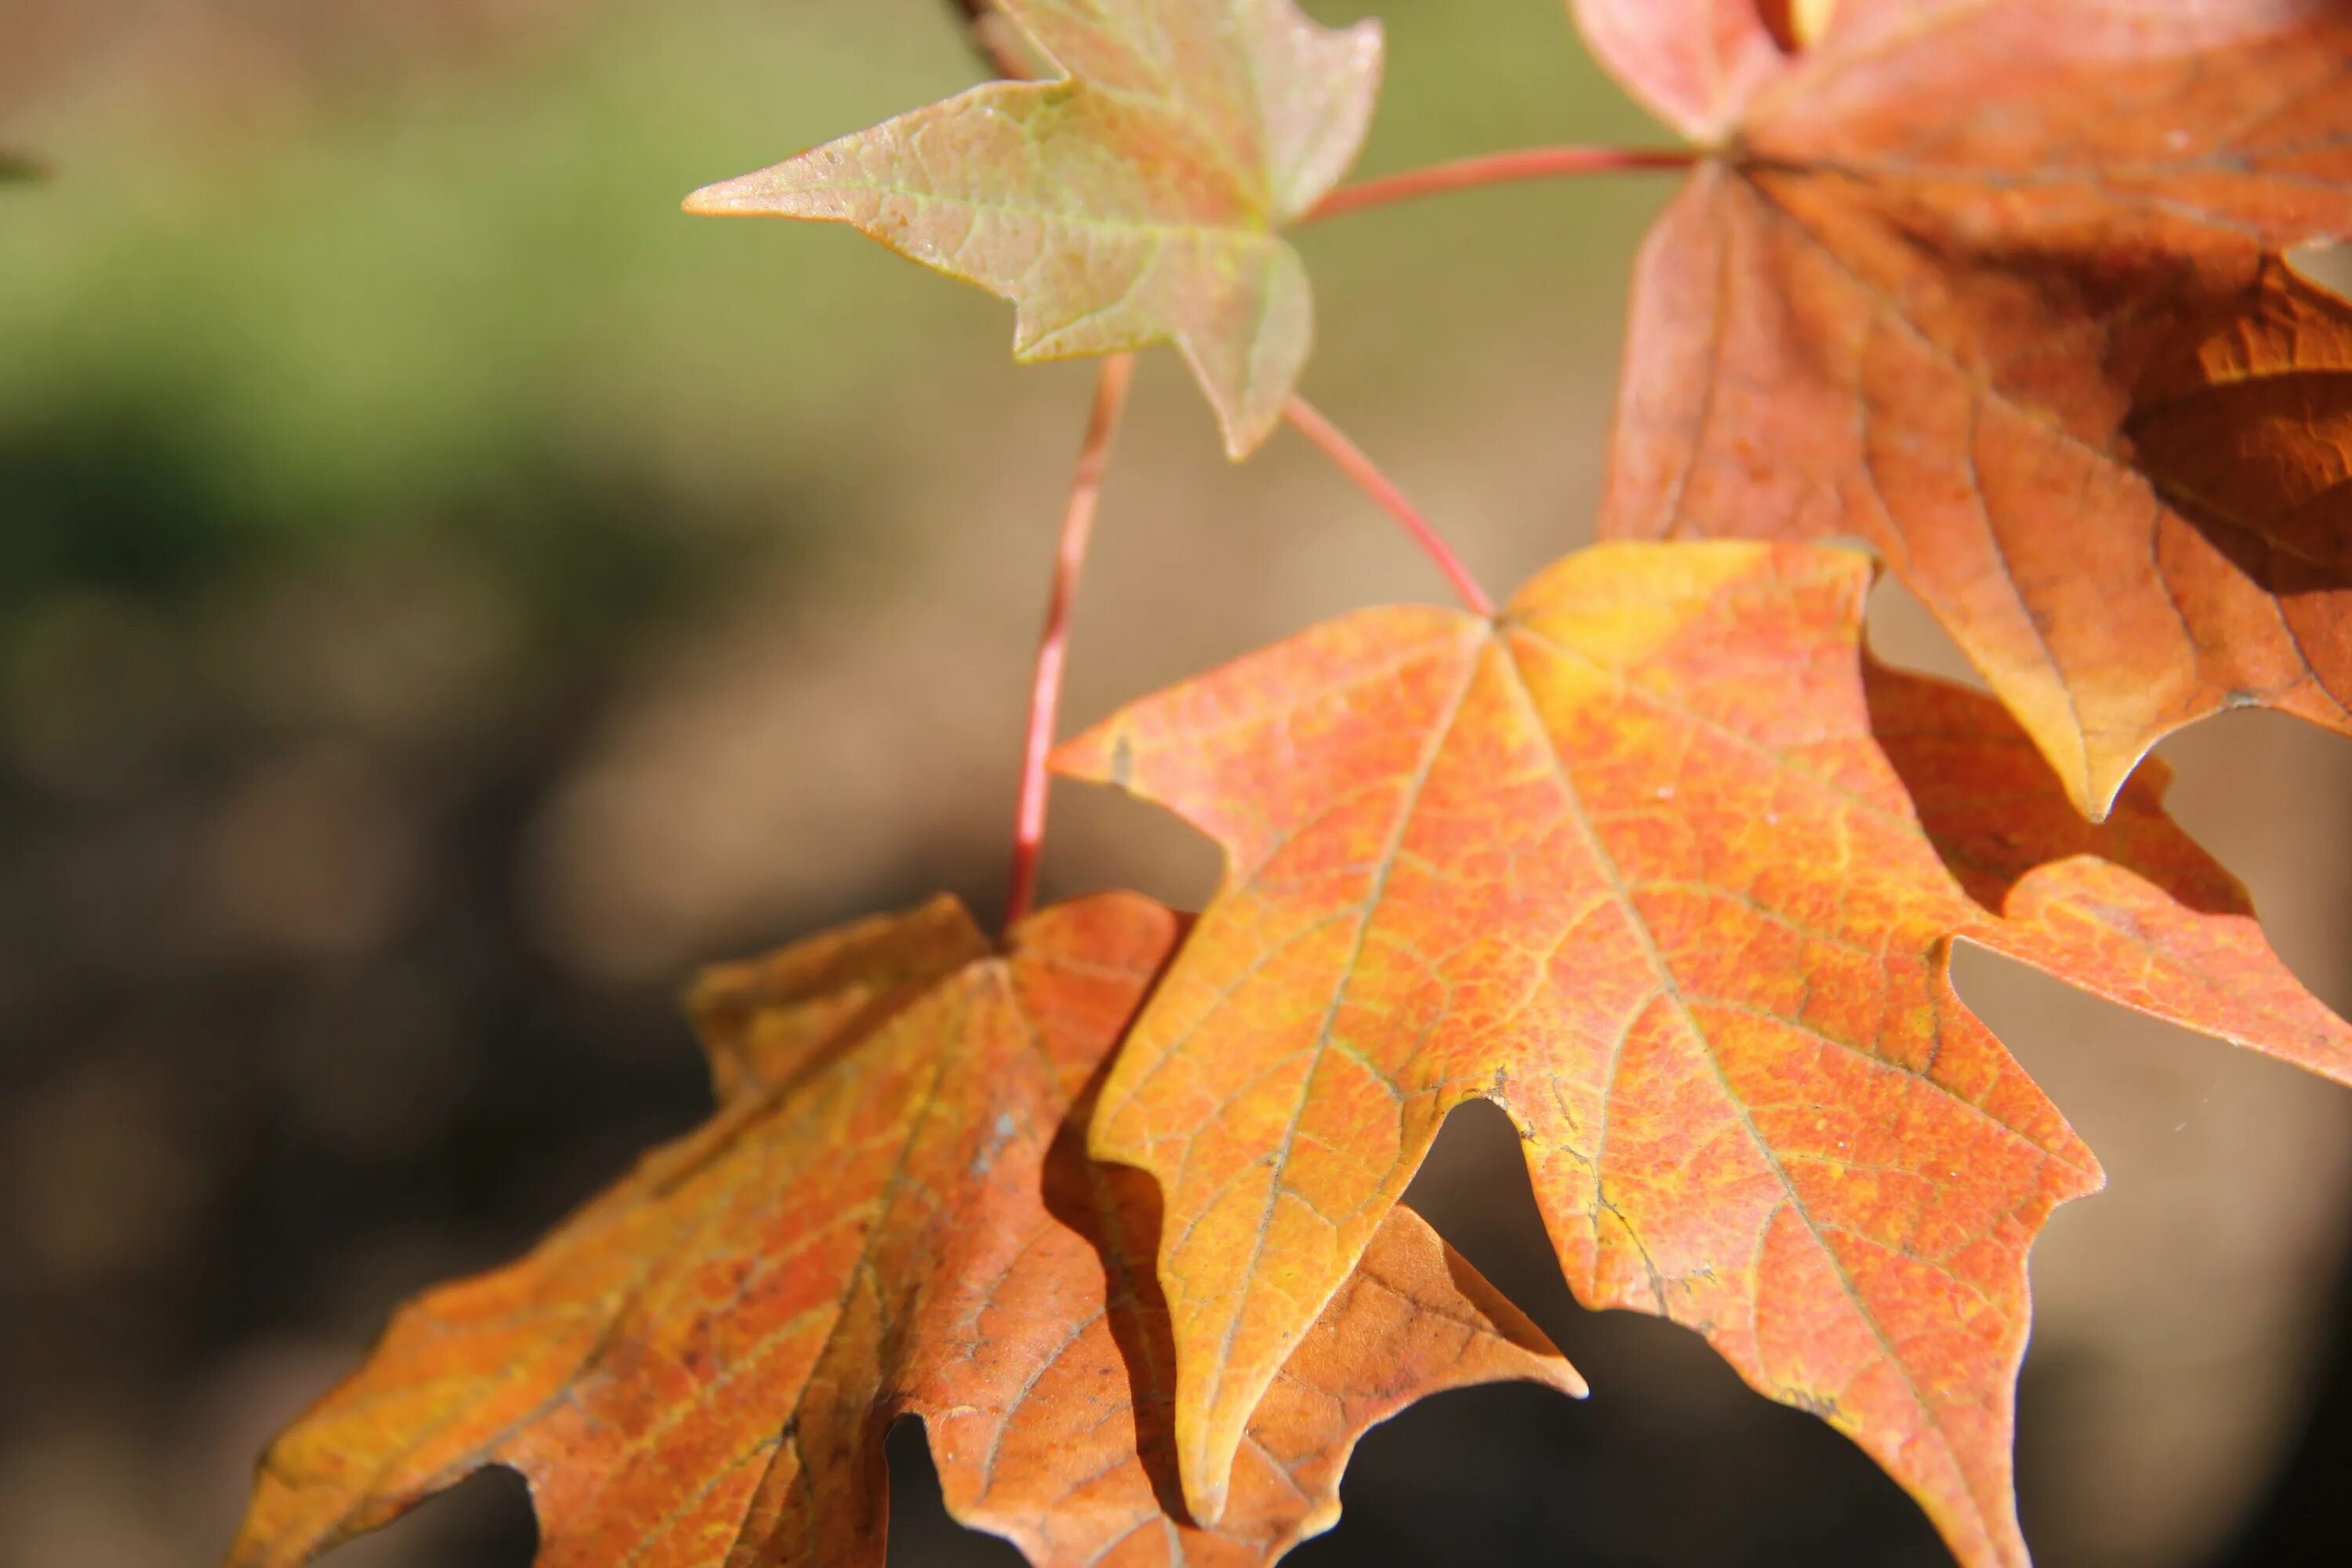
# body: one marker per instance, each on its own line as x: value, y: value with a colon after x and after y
x: 445, y: 595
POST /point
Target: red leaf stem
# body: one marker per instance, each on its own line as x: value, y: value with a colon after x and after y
x: 1053, y: 648
x: 1351, y: 460
x: 1497, y: 168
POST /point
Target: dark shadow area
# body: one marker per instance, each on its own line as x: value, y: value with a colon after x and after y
x: 483, y: 1521
x: 2306, y: 1517
x: 2249, y: 459
x: 1671, y: 1463
x: 112, y: 500
x: 1995, y: 811
x: 1118, y: 1210
x: 922, y: 1533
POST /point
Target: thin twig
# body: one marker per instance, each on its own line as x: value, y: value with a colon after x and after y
x: 1351, y: 460
x: 1054, y: 647
x: 1497, y: 168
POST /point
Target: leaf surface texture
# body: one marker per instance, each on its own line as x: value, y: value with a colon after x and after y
x: 1138, y: 200
x: 1658, y: 864
x: 891, y: 1212
x: 1998, y: 286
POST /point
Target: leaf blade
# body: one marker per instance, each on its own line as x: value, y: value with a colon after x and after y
x: 1136, y: 201
x: 1937, y: 328
x: 1661, y: 895
x: 892, y: 1213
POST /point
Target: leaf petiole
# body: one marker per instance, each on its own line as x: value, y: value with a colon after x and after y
x: 1054, y: 646
x: 1351, y: 460
x: 1497, y: 168
x: 990, y: 35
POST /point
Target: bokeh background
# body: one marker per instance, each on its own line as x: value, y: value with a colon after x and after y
x: 445, y: 595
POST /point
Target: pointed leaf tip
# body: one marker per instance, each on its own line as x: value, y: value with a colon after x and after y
x: 2096, y: 421
x: 752, y: 194
x: 1130, y: 202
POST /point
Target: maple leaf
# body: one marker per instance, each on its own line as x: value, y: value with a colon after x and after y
x: 1995, y: 286
x: 892, y: 1212
x: 1659, y: 866
x: 1138, y: 200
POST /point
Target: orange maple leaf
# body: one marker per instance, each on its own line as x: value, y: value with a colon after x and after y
x: 1138, y: 200
x: 1658, y: 865
x: 1997, y: 288
x: 699, y: 1368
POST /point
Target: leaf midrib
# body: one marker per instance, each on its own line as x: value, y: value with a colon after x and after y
x: 1408, y: 809
x: 1670, y: 988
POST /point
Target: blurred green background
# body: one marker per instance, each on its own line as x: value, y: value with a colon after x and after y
x: 445, y: 595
